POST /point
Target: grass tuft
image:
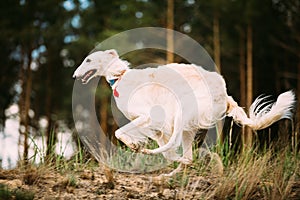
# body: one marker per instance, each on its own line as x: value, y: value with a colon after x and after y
x: 18, y: 194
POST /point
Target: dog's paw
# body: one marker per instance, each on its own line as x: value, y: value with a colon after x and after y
x: 146, y: 151
x: 185, y: 161
x: 134, y: 147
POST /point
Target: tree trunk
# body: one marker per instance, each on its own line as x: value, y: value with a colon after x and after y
x: 24, y: 102
x: 242, y: 68
x: 296, y: 137
x: 248, y: 132
x: 104, y: 114
x: 216, y: 39
x: 170, y: 28
x: 26, y: 108
x: 22, y: 79
x: 217, y: 59
x: 103, y: 110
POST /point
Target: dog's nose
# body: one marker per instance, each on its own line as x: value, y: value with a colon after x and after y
x: 75, y: 75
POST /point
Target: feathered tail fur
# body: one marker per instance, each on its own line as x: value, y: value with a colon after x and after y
x: 262, y: 113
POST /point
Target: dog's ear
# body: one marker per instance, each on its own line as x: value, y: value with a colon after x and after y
x: 112, y: 52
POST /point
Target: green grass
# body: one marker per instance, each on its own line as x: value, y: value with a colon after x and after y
x: 17, y: 194
x: 124, y: 159
x: 57, y: 161
x: 5, y: 193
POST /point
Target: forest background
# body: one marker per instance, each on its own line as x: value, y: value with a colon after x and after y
x: 255, y: 45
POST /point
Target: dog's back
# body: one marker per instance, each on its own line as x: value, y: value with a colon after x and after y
x: 174, y: 86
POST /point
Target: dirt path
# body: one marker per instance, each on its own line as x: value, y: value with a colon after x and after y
x: 92, y: 184
x: 88, y: 184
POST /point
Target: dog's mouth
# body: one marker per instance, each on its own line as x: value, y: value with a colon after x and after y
x: 87, y: 76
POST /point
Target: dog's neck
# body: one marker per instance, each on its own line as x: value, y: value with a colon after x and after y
x: 115, y: 69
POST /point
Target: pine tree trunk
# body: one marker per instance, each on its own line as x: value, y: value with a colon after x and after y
x: 248, y: 139
x: 104, y: 103
x: 216, y: 40
x: 242, y: 67
x: 21, y: 102
x: 217, y: 59
x: 24, y: 102
x: 296, y: 137
x: 104, y: 114
x: 26, y: 108
x: 170, y: 28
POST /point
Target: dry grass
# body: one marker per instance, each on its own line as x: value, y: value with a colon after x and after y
x: 241, y: 180
x: 248, y: 175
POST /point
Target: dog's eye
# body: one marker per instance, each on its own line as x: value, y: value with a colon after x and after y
x: 88, y: 60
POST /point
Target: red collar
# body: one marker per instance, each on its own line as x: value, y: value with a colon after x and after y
x: 114, y: 83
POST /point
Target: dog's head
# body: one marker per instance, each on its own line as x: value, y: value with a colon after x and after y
x: 96, y: 64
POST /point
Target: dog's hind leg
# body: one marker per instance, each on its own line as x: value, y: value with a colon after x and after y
x: 161, y: 140
x: 187, y: 148
x: 200, y: 137
x: 174, y: 141
x: 187, y: 156
x: 175, y: 171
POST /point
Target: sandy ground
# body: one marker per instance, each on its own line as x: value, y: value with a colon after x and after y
x: 93, y: 184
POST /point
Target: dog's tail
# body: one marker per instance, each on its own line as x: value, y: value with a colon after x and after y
x: 175, y: 139
x: 262, y: 113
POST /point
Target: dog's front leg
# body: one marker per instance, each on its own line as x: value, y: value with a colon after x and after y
x: 130, y: 133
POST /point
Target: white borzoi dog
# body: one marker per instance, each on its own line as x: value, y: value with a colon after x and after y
x: 170, y: 103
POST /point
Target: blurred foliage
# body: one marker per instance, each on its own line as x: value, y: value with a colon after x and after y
x: 58, y: 34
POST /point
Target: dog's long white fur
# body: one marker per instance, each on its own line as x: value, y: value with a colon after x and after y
x: 191, y: 97
x: 260, y: 118
x: 263, y: 114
